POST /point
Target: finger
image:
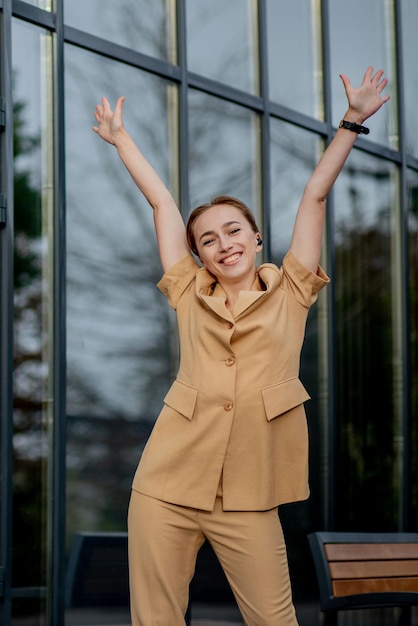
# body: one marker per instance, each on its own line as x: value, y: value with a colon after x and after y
x: 368, y: 74
x: 382, y: 85
x: 95, y: 128
x: 346, y: 80
x: 106, y: 105
x: 376, y: 78
x: 119, y: 104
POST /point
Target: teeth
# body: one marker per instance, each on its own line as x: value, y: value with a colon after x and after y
x: 231, y: 258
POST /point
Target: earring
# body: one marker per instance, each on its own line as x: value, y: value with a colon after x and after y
x: 259, y: 241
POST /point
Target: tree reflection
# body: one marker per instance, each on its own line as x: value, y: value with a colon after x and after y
x: 366, y: 293
x: 119, y: 348
x: 120, y: 344
x: 29, y: 373
x: 366, y: 371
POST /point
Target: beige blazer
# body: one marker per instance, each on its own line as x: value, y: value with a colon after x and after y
x: 234, y: 416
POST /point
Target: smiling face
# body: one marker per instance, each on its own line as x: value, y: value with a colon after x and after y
x: 227, y: 244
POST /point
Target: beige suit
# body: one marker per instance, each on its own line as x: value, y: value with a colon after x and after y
x: 234, y: 416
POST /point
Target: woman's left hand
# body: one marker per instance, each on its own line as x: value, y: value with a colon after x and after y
x: 365, y: 100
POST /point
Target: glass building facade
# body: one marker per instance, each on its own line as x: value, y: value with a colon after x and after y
x: 236, y: 97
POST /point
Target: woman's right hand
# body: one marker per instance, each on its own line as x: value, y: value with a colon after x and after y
x: 110, y: 123
x: 169, y: 225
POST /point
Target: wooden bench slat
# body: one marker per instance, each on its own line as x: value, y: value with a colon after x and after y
x: 370, y: 551
x: 373, y: 569
x: 380, y: 585
x: 365, y: 570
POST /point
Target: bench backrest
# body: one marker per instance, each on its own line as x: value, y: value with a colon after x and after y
x: 361, y: 570
x: 97, y: 572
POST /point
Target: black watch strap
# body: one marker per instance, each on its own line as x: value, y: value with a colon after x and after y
x: 356, y: 128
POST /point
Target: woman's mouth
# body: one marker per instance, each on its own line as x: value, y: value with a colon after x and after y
x: 230, y: 260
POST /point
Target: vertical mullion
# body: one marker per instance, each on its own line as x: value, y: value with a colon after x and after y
x: 265, y: 128
x: 6, y: 321
x: 403, y: 273
x: 56, y: 582
x: 183, y: 114
x: 330, y: 439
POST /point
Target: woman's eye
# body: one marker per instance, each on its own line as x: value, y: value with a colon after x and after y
x: 234, y: 231
x: 207, y: 242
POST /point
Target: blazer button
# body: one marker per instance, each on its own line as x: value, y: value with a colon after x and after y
x: 230, y: 361
x: 230, y: 325
x: 228, y: 406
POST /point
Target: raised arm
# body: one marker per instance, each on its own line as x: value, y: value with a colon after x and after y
x: 362, y: 103
x: 169, y: 224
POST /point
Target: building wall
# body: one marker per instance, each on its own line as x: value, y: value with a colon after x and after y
x: 236, y: 97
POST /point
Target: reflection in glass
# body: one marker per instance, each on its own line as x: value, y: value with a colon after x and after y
x: 222, y: 41
x: 413, y: 317
x: 147, y: 27
x: 119, y: 340
x: 294, y: 155
x: 33, y: 282
x: 355, y: 46
x: 369, y: 396
x: 409, y: 15
x: 41, y: 4
x: 295, y: 55
x: 224, y: 151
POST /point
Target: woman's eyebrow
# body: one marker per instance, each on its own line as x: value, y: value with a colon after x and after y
x: 212, y: 232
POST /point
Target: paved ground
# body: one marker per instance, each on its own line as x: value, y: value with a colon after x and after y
x: 205, y: 623
x: 203, y: 616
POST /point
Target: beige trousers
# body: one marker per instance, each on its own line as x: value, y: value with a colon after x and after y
x: 163, y: 543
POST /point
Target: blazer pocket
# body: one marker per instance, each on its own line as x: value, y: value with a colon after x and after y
x: 182, y: 398
x: 283, y: 397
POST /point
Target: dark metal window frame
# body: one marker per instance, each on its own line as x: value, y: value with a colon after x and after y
x: 6, y: 320
x: 178, y: 74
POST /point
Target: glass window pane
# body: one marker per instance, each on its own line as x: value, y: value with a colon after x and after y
x: 295, y: 55
x: 222, y: 41
x: 147, y: 27
x: 368, y: 401
x: 224, y: 151
x: 371, y: 46
x: 409, y: 14
x: 413, y: 318
x: 41, y: 4
x: 33, y: 322
x: 294, y: 154
x: 119, y: 327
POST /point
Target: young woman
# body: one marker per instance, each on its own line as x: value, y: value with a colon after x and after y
x: 230, y: 444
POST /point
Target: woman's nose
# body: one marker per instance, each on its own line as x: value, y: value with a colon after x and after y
x: 224, y: 243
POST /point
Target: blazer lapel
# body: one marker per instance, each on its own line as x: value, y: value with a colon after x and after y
x: 245, y: 300
x: 205, y: 287
x: 214, y: 297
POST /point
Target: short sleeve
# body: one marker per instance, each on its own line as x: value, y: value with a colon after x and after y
x: 177, y: 279
x: 303, y: 284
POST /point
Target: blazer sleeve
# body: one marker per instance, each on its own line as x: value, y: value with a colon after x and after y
x: 300, y: 282
x: 177, y: 279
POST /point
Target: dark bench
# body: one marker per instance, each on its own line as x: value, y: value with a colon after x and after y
x: 97, y: 574
x: 97, y: 571
x: 365, y: 570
